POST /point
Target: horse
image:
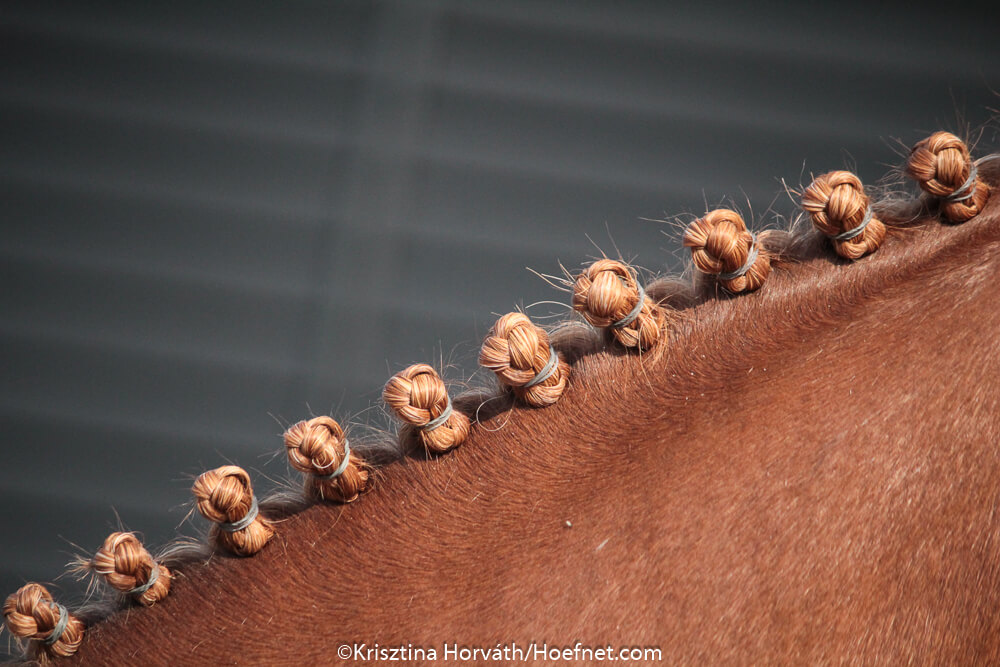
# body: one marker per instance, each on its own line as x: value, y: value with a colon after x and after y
x: 791, y: 458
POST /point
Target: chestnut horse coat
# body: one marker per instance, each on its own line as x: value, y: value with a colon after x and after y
x: 805, y: 474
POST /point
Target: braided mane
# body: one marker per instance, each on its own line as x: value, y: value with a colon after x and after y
x: 773, y: 479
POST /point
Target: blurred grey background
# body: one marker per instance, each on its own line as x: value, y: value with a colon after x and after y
x: 217, y: 212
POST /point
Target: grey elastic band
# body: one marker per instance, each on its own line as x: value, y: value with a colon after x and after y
x: 440, y: 419
x: 968, y: 188
x: 343, y: 463
x: 851, y: 233
x: 751, y: 258
x: 153, y: 576
x: 57, y: 631
x: 634, y: 313
x: 547, y: 370
x: 236, y: 526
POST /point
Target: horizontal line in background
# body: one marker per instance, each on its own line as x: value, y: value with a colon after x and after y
x: 123, y: 497
x: 39, y: 544
x: 121, y: 185
x: 667, y: 108
x: 161, y: 351
x: 561, y: 168
x: 144, y: 353
x: 166, y: 488
x: 153, y: 194
x: 190, y: 440
x: 156, y: 115
x: 756, y: 31
x: 93, y: 358
x: 196, y: 39
x: 106, y: 448
x: 132, y: 197
x: 100, y: 425
x: 347, y: 299
x: 183, y: 277
x: 819, y: 40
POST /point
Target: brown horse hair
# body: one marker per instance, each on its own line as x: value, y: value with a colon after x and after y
x: 49, y: 628
x: 665, y: 290
x: 839, y: 208
x: 128, y: 567
x: 942, y: 165
x: 419, y: 398
x: 520, y: 354
x: 332, y: 469
x: 225, y: 497
x: 609, y: 296
x: 722, y: 246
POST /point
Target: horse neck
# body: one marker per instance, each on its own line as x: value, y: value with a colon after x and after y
x: 760, y: 417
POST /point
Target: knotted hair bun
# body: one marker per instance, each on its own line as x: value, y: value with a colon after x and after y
x: 31, y: 614
x: 941, y: 164
x: 128, y: 567
x: 520, y: 354
x: 419, y: 398
x: 225, y: 497
x: 722, y: 246
x: 608, y: 296
x: 334, y: 471
x: 839, y: 208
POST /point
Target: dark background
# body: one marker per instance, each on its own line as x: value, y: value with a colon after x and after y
x: 217, y: 212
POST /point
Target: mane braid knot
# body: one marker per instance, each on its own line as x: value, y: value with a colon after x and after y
x: 967, y: 189
x: 840, y: 209
x: 128, y: 567
x: 57, y: 632
x: 520, y: 354
x: 547, y: 370
x: 317, y: 447
x: 53, y: 632
x: 751, y: 258
x: 851, y: 233
x: 440, y: 419
x: 943, y: 167
x: 723, y: 247
x: 344, y: 461
x: 419, y: 398
x: 225, y: 497
x: 245, y: 522
x: 154, y: 575
x: 608, y: 295
x: 634, y: 313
